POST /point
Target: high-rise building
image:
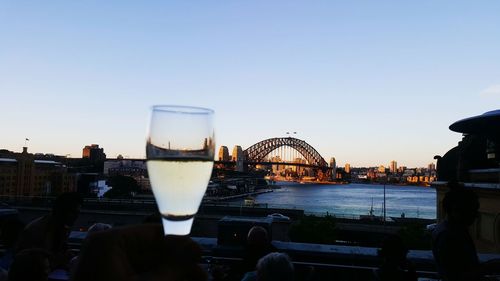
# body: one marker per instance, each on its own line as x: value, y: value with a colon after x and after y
x: 432, y: 167
x: 93, y: 153
x: 276, y: 168
x: 394, y: 167
x: 347, y: 168
x: 333, y: 165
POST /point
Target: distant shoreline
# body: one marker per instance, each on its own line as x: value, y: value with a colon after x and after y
x: 346, y: 182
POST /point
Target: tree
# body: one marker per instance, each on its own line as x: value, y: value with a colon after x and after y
x: 122, y: 187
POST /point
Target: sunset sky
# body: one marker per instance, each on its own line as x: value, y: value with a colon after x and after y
x: 366, y: 82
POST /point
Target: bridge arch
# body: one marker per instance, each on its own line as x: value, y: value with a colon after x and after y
x: 258, y: 151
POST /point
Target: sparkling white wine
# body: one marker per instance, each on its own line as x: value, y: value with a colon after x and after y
x: 180, y: 151
x: 179, y: 185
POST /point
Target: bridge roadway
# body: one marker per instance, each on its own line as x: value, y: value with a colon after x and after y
x: 273, y: 163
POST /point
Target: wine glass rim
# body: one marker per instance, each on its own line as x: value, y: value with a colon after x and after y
x: 182, y: 109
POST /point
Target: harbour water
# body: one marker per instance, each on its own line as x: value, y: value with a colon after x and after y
x: 352, y: 200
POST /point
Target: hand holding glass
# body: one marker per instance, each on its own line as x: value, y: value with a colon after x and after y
x: 180, y: 153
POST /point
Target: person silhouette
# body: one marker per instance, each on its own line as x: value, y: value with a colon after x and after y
x: 395, y: 266
x: 258, y: 245
x: 30, y: 264
x: 10, y: 231
x: 275, y: 267
x: 51, y: 232
x: 139, y: 252
x: 452, y: 246
x: 96, y: 227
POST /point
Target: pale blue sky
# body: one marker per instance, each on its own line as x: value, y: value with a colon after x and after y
x: 364, y: 81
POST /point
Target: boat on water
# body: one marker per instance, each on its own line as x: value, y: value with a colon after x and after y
x: 371, y: 216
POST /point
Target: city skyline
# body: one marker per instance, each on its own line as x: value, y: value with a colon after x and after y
x: 366, y: 84
x: 221, y: 155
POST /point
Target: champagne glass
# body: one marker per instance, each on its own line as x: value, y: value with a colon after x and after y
x: 180, y: 156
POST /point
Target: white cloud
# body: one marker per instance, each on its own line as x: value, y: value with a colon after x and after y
x: 492, y: 91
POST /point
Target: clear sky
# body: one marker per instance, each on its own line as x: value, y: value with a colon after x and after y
x: 364, y: 81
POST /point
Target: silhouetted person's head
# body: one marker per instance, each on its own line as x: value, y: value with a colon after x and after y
x: 257, y: 237
x: 275, y: 267
x: 30, y: 265
x: 460, y: 204
x: 393, y: 250
x: 67, y: 208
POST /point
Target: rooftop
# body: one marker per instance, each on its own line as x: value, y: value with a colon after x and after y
x: 486, y: 123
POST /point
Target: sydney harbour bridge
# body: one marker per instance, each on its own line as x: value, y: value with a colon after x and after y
x: 285, y: 153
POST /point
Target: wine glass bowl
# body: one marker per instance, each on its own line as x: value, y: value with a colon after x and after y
x: 180, y: 153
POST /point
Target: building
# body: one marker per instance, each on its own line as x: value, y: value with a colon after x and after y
x: 21, y: 174
x: 370, y: 174
x: 93, y: 159
x: 401, y: 169
x: 276, y: 168
x: 475, y: 162
x: 94, y: 153
x: 431, y: 167
x: 347, y: 168
x: 333, y: 165
x: 381, y: 169
x: 393, y: 168
x: 134, y: 168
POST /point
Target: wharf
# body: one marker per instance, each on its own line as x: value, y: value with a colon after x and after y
x: 236, y: 196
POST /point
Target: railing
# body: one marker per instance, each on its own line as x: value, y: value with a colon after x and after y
x: 326, y: 262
